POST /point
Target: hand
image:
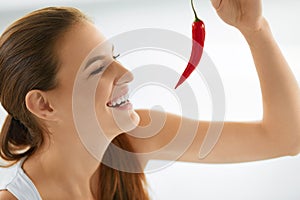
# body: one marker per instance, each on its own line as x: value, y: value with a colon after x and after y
x: 246, y: 15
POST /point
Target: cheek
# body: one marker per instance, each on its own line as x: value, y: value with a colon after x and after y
x: 61, y: 102
x: 63, y: 93
x: 112, y: 121
x: 102, y: 94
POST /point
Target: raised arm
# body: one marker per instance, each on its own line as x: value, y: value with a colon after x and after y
x: 280, y: 91
x: 277, y: 134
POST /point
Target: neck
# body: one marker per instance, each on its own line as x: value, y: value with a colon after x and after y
x: 65, y: 162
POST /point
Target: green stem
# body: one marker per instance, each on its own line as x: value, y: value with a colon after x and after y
x: 196, y: 17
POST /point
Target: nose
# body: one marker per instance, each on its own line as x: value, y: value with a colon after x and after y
x: 123, y: 75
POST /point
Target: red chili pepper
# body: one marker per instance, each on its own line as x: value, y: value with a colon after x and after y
x: 198, y: 30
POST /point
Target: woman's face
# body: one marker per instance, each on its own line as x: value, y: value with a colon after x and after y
x: 92, y: 86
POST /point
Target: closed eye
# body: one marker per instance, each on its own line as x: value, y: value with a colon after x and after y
x: 97, y: 71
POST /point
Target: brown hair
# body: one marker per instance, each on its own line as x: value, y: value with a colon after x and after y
x: 27, y: 62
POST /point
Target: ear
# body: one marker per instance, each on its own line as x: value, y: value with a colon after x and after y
x: 38, y: 104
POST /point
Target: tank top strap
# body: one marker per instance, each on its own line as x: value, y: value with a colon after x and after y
x: 18, y: 183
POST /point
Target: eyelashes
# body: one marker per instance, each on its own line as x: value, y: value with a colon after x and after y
x: 116, y: 56
x: 101, y: 68
x: 97, y: 71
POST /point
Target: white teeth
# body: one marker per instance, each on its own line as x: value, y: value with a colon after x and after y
x: 120, y: 100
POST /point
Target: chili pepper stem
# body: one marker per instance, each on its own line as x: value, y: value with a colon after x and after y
x: 196, y: 17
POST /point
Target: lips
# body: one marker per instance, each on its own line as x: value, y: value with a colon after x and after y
x: 120, y: 100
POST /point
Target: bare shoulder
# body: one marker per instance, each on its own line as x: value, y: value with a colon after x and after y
x: 6, y: 195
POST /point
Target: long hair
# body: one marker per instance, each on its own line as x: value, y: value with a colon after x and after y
x: 28, y: 61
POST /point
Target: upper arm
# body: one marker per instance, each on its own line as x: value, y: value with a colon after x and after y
x: 6, y: 195
x: 181, y: 139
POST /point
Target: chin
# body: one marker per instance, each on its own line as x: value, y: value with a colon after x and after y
x: 126, y: 120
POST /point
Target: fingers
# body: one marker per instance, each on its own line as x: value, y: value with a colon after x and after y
x: 216, y: 3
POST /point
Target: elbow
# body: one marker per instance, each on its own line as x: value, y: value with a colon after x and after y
x: 287, y: 146
x: 286, y: 140
x: 295, y: 151
x: 294, y: 147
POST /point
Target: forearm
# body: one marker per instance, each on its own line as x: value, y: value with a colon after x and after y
x: 280, y: 91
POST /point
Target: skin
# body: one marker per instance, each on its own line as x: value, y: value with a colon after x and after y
x: 64, y: 146
x: 277, y: 134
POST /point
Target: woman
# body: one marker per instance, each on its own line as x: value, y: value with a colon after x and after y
x: 40, y: 56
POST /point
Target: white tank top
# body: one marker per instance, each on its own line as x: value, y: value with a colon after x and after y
x: 18, y: 183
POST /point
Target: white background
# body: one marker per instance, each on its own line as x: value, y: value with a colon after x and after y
x: 272, y: 179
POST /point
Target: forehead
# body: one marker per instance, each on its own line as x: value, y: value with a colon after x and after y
x: 76, y: 44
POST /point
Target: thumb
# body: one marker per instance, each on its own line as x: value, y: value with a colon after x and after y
x: 216, y: 3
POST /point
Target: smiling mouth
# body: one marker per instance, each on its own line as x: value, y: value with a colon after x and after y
x: 118, y: 101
